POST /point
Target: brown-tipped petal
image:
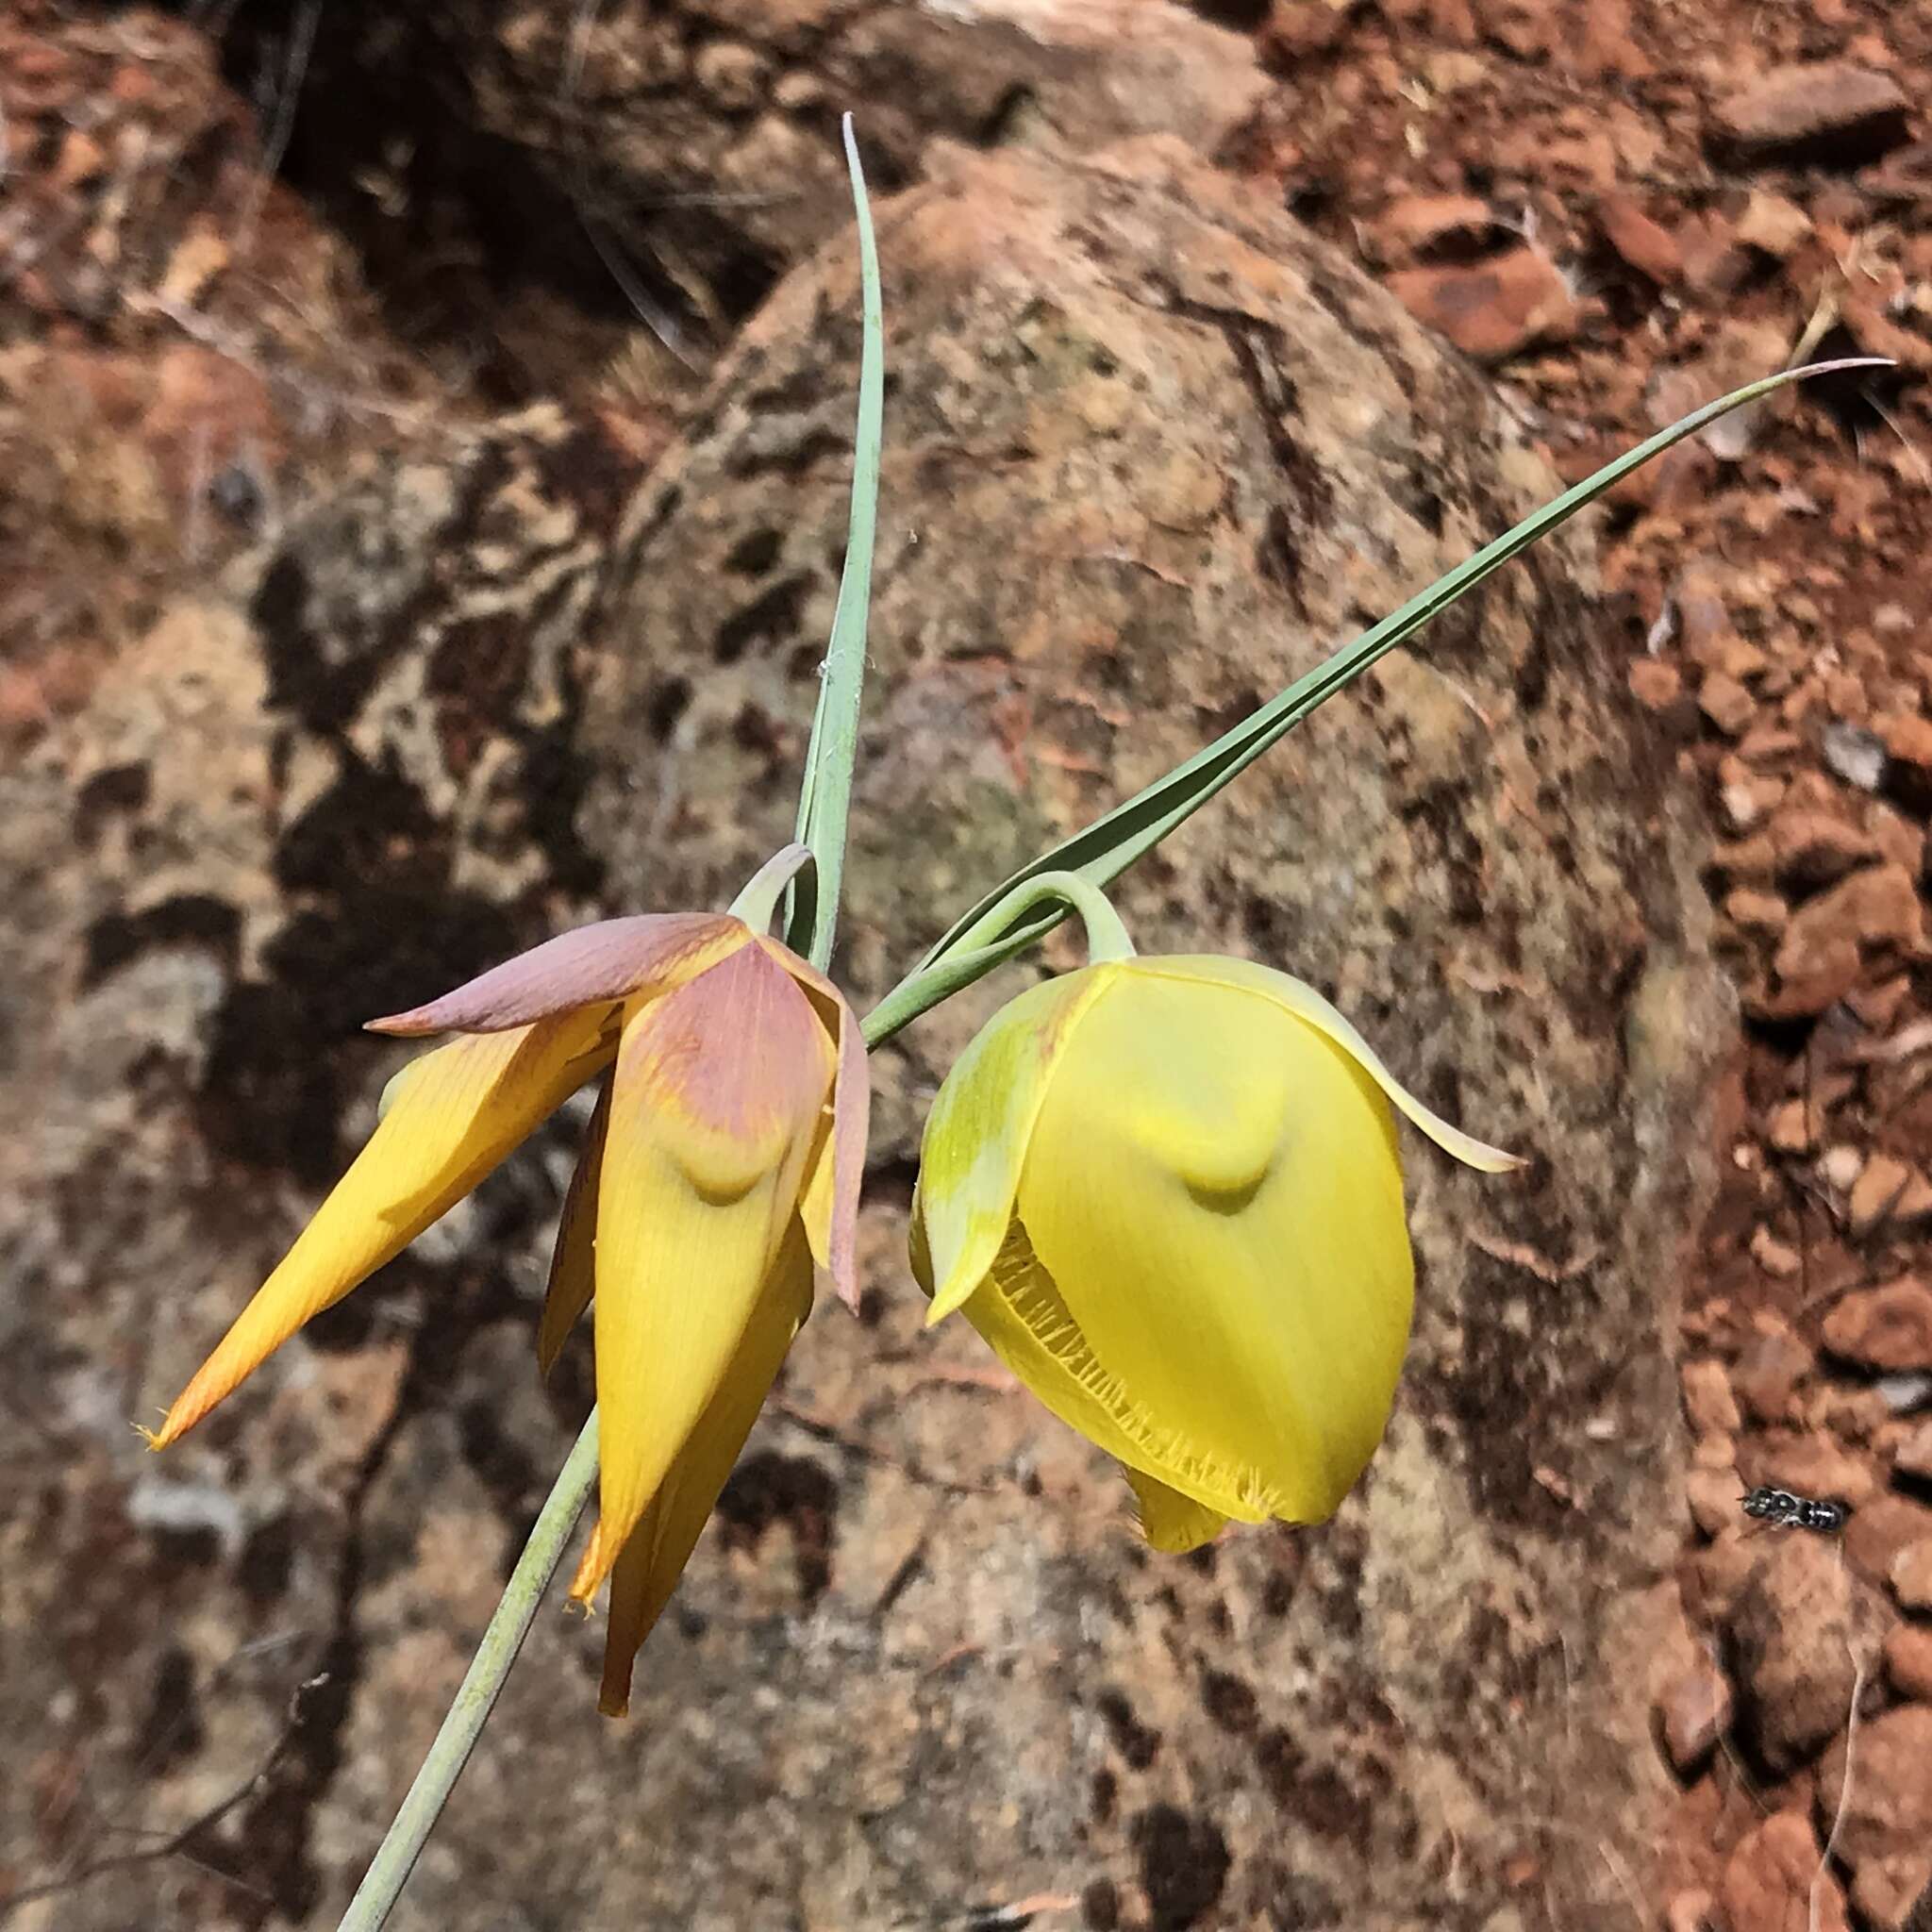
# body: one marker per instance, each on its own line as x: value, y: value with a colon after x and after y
x: 716, y: 1105
x: 593, y: 966
x: 658, y: 1549
x: 572, y: 1260
x: 831, y: 1205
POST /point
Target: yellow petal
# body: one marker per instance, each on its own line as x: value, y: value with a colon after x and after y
x: 572, y: 1259
x: 831, y: 1202
x: 1221, y: 1264
x: 1172, y: 1522
x: 714, y: 1111
x: 981, y: 1122
x: 1301, y: 999
x: 453, y: 1116
x: 658, y: 1549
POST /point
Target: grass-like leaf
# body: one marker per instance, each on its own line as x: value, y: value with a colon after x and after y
x: 825, y: 795
x: 1110, y: 844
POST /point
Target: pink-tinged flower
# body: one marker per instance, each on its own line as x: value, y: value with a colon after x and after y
x: 721, y: 1165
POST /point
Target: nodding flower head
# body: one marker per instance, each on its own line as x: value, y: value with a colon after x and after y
x: 1168, y: 1192
x: 720, y: 1173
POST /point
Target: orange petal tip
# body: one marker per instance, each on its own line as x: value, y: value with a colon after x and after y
x: 592, y: 1571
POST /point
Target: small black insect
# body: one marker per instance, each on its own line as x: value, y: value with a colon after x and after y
x: 1781, y: 1510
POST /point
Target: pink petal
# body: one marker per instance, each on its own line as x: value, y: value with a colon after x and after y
x: 609, y: 961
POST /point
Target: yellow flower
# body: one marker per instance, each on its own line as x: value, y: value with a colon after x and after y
x: 1168, y: 1192
x: 722, y: 1161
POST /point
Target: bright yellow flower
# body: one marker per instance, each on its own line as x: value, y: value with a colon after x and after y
x: 723, y: 1162
x: 1168, y: 1192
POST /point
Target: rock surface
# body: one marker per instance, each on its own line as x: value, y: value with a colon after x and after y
x: 1150, y: 444
x: 684, y: 156
x: 1151, y: 451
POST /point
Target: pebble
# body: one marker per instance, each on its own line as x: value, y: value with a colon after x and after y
x: 1811, y: 849
x: 1887, y: 1821
x: 1794, y: 1125
x: 1767, y: 1886
x: 1491, y: 309
x: 1689, y: 1911
x: 1840, y: 1166
x: 1725, y: 703
x: 1777, y: 1259
x: 1773, y: 225
x: 1911, y: 1576
x: 1886, y: 1891
x: 1649, y: 248
x: 1888, y: 1327
x: 1907, y: 740
x: 1914, y: 1456
x: 1855, y: 754
x: 1707, y: 1399
x: 1791, y: 1629
x: 1889, y: 1191
x: 1909, y: 1660
x: 1876, y: 907
x: 1879, y: 1531
x: 1693, y: 1711
x: 1815, y: 1465
x: 1819, y: 111
x: 1903, y: 1393
x: 1656, y: 683
x: 1766, y: 1375
x: 1713, y: 1495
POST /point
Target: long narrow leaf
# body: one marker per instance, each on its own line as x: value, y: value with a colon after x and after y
x: 825, y: 795
x: 1110, y: 844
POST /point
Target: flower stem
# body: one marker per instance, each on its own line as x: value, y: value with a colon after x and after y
x: 760, y: 899
x: 995, y: 937
x: 1106, y: 937
x: 510, y: 1624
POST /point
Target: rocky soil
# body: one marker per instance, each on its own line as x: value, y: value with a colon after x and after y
x: 420, y: 504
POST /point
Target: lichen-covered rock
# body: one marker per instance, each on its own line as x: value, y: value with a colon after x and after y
x: 1151, y: 451
x: 345, y: 771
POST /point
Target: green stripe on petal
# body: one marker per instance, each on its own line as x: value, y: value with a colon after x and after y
x: 980, y: 1125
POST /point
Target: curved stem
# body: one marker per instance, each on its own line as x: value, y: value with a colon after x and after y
x: 995, y: 938
x: 1106, y: 937
x: 509, y: 1624
x: 760, y: 899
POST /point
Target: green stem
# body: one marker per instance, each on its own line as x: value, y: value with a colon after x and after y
x: 763, y: 889
x: 482, y: 1682
x: 1106, y: 937
x: 992, y: 939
